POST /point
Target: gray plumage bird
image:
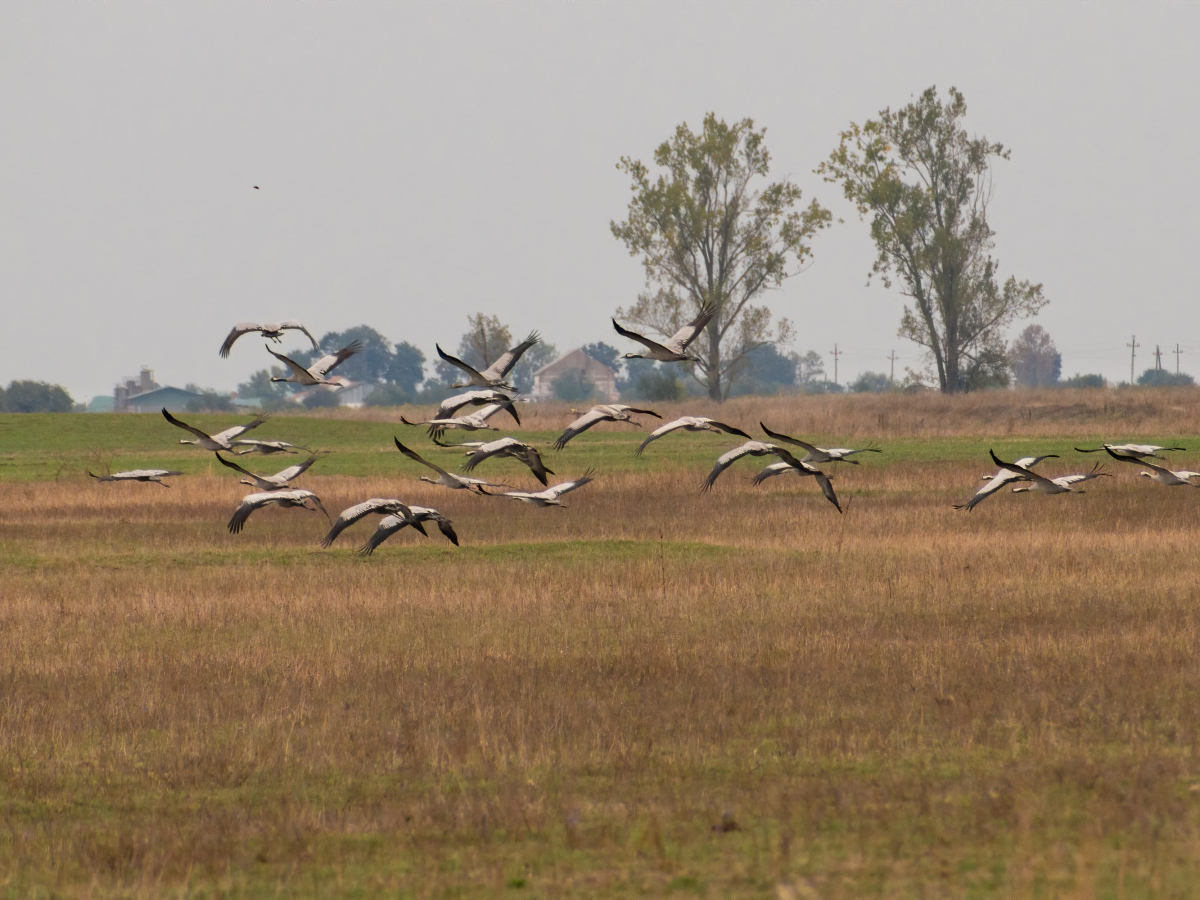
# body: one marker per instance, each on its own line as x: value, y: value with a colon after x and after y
x: 1161, y: 474
x: 803, y: 469
x: 689, y: 423
x: 1128, y: 452
x: 143, y: 475
x: 446, y: 479
x: 222, y: 440
x: 674, y: 348
x: 391, y: 524
x: 476, y: 421
x: 375, y: 506
x: 285, y: 499
x: 815, y: 454
x: 750, y: 448
x: 266, y: 448
x: 272, y: 331
x: 610, y: 412
x: 550, y: 496
x: 1003, y: 477
x: 319, y: 371
x: 1064, y: 480
x: 495, y: 374
x: 515, y: 449
x: 277, y: 482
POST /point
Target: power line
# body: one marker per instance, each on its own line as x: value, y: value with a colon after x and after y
x: 1132, y: 345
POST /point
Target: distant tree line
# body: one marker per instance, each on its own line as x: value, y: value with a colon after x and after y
x: 35, y: 397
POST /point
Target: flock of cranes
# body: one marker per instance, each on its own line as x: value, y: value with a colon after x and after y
x: 493, y: 393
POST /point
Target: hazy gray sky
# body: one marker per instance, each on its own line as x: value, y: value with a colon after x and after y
x: 419, y: 162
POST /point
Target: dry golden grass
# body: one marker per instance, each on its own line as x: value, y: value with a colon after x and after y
x: 902, y: 701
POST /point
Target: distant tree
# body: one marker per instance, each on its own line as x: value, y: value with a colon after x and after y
x: 926, y: 184
x: 768, y: 366
x: 1163, y: 378
x: 660, y: 384
x: 809, y: 367
x: 871, y: 383
x: 1083, y: 381
x: 372, y: 363
x: 708, y: 235
x: 378, y: 362
x: 634, y: 370
x: 989, y: 369
x: 36, y: 396
x: 389, y: 395
x: 603, y: 353
x: 272, y: 395
x: 322, y: 398
x: 767, y: 371
x: 573, y: 387
x: 1035, y: 360
x: 823, y: 387
x: 209, y: 401
x: 406, y: 369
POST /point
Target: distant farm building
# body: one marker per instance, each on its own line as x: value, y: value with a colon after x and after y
x: 143, y: 394
x: 351, y: 393
x: 172, y: 398
x: 602, y: 378
x: 129, y: 387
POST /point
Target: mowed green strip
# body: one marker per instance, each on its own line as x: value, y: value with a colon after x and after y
x: 48, y: 447
x: 16, y: 555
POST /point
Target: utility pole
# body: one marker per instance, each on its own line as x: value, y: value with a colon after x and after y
x: 835, y: 354
x: 1132, y: 345
x: 892, y: 374
x: 1177, y: 352
x: 1157, y: 359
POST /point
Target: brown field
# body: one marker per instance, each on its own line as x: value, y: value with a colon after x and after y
x: 653, y: 691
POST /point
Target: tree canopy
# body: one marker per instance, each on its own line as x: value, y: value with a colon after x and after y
x: 925, y: 185
x: 35, y: 396
x: 1035, y: 360
x: 1163, y: 378
x: 378, y: 361
x: 709, y: 232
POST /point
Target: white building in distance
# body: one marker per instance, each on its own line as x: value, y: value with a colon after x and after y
x: 603, y: 379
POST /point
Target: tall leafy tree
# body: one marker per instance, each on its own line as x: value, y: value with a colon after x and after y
x: 810, y: 367
x: 925, y: 184
x: 709, y: 231
x: 369, y: 364
x: 377, y: 362
x: 406, y: 369
x: 1035, y: 360
x: 35, y: 396
x: 273, y: 394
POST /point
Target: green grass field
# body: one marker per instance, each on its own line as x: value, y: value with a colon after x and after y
x: 652, y: 691
x: 41, y: 447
